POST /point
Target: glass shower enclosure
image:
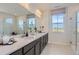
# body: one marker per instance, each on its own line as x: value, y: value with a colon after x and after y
x: 75, y: 34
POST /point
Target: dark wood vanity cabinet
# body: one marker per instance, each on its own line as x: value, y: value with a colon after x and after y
x: 44, y: 41
x: 33, y: 48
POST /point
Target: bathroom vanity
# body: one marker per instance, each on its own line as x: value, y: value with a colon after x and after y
x: 26, y: 45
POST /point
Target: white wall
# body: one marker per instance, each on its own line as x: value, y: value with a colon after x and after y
x: 69, y: 23
x: 58, y: 38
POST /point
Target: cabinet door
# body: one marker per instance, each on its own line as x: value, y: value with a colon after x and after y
x: 28, y: 47
x: 18, y: 52
x: 30, y: 52
x: 44, y: 41
x: 46, y: 38
x: 37, y: 48
x: 42, y: 46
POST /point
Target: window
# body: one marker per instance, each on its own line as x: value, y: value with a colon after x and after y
x: 9, y: 20
x: 20, y: 23
x: 57, y: 22
x: 32, y: 22
x: 78, y: 22
x: 8, y: 25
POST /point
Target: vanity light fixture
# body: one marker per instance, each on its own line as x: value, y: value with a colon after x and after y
x: 38, y: 13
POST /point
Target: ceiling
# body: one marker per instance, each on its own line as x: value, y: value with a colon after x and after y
x: 51, y: 6
x: 13, y: 8
x: 16, y: 9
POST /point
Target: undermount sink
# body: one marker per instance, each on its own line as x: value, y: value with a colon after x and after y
x: 9, y: 43
x: 7, y: 40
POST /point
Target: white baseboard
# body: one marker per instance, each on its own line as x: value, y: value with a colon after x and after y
x: 61, y: 43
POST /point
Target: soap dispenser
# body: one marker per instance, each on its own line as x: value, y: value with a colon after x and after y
x: 26, y: 33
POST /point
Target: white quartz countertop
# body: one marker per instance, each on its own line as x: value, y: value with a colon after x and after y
x: 20, y: 42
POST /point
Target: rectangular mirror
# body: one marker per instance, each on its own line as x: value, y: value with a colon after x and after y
x: 14, y: 19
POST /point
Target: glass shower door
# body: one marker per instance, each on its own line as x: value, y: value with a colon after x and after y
x: 77, y: 33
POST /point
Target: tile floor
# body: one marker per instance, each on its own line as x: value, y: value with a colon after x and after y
x: 54, y: 49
